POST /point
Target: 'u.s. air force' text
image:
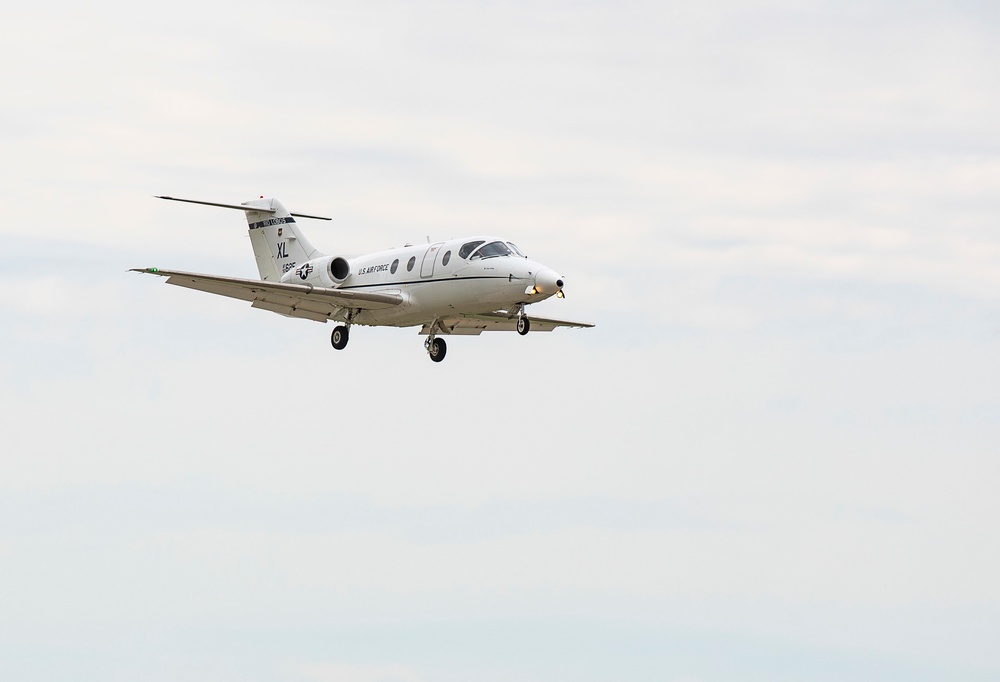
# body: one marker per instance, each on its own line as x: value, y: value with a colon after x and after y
x: 373, y: 268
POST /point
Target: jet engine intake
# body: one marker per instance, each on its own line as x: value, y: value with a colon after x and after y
x: 339, y: 269
x: 328, y: 271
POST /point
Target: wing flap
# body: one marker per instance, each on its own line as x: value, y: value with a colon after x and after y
x: 293, y: 311
x: 496, y: 322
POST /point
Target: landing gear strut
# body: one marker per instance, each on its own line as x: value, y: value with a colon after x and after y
x: 340, y: 336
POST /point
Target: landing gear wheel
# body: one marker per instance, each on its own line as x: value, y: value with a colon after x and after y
x: 339, y: 337
x: 523, y: 325
x: 437, y: 349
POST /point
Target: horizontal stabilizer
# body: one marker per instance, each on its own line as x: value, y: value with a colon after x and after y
x: 240, y: 207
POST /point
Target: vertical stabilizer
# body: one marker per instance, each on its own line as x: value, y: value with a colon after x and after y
x: 278, y: 245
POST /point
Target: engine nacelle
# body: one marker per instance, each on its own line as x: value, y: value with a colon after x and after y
x: 328, y: 271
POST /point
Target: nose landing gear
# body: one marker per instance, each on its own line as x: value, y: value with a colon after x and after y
x: 523, y: 323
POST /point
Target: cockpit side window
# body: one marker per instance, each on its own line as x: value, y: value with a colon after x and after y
x: 468, y: 248
x: 517, y: 251
x: 492, y: 250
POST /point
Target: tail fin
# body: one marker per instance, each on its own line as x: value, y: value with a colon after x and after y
x: 277, y: 242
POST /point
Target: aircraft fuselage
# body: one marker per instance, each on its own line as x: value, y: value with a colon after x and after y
x: 435, y: 281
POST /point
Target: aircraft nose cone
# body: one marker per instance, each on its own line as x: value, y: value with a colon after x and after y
x: 548, y: 282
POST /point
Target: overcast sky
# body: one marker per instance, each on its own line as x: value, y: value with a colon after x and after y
x: 774, y: 458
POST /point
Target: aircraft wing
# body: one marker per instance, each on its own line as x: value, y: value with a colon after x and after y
x: 293, y: 300
x: 502, y: 321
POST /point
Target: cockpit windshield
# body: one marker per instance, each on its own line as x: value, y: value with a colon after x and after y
x: 468, y: 248
x: 492, y: 250
x: 517, y: 251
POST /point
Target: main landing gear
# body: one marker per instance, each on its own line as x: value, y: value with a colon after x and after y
x: 342, y: 332
x: 340, y: 336
x: 436, y: 348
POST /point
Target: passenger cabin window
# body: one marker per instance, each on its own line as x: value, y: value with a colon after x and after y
x: 447, y: 257
x: 468, y: 248
x: 492, y: 250
x: 395, y: 264
x: 409, y: 264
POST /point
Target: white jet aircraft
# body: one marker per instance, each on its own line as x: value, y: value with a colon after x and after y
x: 462, y: 286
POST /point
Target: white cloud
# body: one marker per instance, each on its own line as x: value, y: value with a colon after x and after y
x: 345, y: 672
x: 782, y: 218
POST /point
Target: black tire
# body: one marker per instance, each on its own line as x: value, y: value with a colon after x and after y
x: 523, y: 325
x: 339, y: 337
x: 437, y: 350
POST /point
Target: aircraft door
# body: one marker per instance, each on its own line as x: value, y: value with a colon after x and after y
x: 427, y: 266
